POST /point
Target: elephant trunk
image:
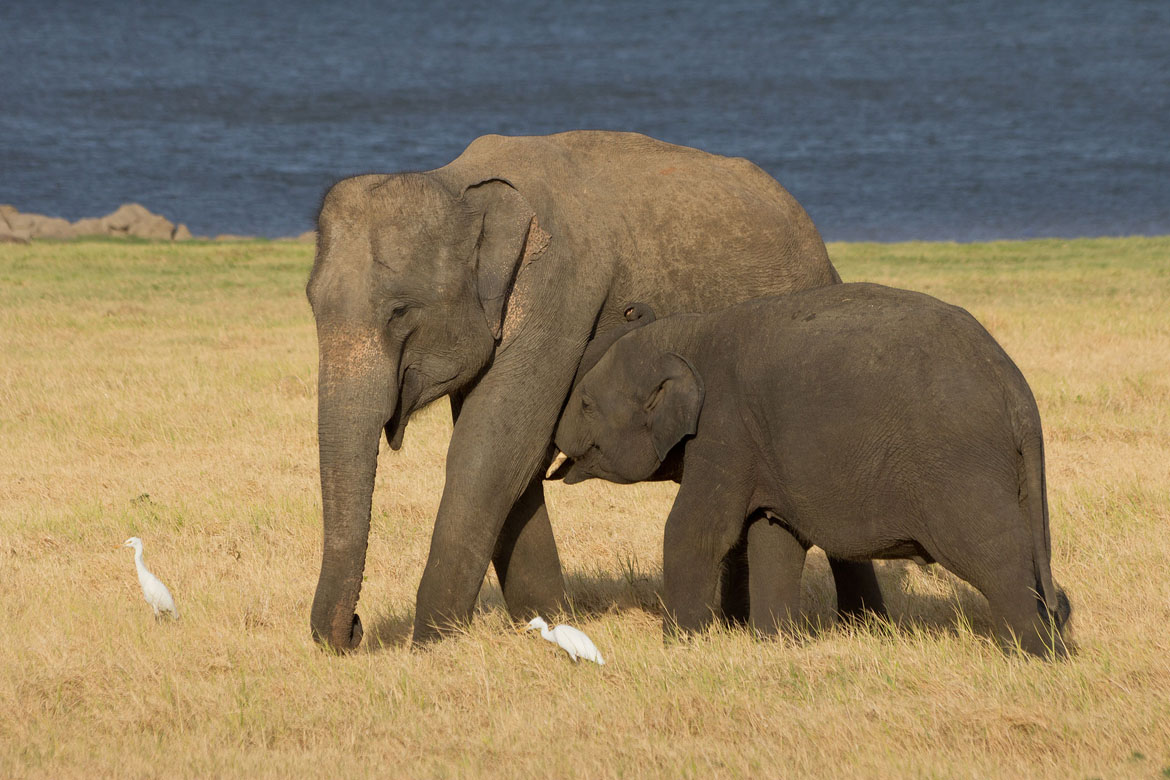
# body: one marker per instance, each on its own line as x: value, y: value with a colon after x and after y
x: 353, y: 407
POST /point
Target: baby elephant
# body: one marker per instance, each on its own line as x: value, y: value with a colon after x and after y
x: 869, y: 421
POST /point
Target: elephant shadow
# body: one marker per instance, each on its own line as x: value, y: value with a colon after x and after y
x: 390, y: 630
x: 931, y: 600
x: 926, y: 599
x: 590, y: 594
x: 595, y: 593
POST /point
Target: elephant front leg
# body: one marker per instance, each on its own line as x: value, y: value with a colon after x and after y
x: 526, y: 559
x: 704, y: 524
x: 491, y: 508
x: 775, y: 565
x: 479, y: 494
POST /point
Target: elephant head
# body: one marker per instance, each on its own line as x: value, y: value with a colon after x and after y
x: 409, y: 291
x: 629, y: 411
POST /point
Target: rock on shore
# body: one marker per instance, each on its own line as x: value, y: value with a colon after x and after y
x: 130, y: 219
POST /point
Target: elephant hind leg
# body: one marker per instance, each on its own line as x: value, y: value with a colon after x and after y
x: 525, y: 556
x: 1020, y: 616
x: 996, y: 556
x: 526, y: 560
x: 858, y: 594
x: 734, y: 595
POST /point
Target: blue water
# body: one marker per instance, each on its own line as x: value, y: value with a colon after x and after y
x: 891, y: 120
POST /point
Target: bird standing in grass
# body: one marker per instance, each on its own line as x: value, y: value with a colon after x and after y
x: 571, y: 640
x: 153, y: 590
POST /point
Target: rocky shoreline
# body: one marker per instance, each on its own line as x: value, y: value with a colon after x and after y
x: 128, y: 220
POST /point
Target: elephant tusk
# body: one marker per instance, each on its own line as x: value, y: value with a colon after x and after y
x: 558, y: 461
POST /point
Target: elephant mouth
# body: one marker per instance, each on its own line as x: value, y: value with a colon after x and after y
x: 574, y: 474
x: 396, y: 429
x: 588, y: 465
x: 408, y: 396
x: 416, y: 390
x: 573, y: 470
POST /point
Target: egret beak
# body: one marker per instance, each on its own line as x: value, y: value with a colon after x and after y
x: 558, y: 461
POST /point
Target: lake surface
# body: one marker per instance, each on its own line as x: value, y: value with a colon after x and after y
x: 888, y: 121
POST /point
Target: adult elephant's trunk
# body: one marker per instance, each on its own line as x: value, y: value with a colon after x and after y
x: 355, y: 400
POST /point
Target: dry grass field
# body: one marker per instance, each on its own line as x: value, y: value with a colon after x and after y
x: 168, y: 391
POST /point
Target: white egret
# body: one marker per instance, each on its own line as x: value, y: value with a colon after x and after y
x: 153, y: 590
x: 573, y: 641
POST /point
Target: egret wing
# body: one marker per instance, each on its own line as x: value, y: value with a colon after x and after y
x: 576, y: 643
x: 157, y: 594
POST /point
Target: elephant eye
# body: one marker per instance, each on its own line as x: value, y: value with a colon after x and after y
x: 396, y: 312
x: 586, y: 403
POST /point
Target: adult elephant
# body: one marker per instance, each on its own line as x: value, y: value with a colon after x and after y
x: 485, y: 280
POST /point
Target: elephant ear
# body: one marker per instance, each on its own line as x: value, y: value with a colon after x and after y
x: 505, y: 219
x: 673, y: 403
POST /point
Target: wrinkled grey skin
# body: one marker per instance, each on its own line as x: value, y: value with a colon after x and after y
x: 485, y: 280
x: 753, y: 553
x: 869, y: 421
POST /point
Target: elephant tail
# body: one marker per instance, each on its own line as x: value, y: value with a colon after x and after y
x: 1034, y: 501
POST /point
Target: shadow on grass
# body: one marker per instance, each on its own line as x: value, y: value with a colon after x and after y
x: 590, y: 595
x: 950, y: 607
x: 389, y: 631
x: 927, y: 600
